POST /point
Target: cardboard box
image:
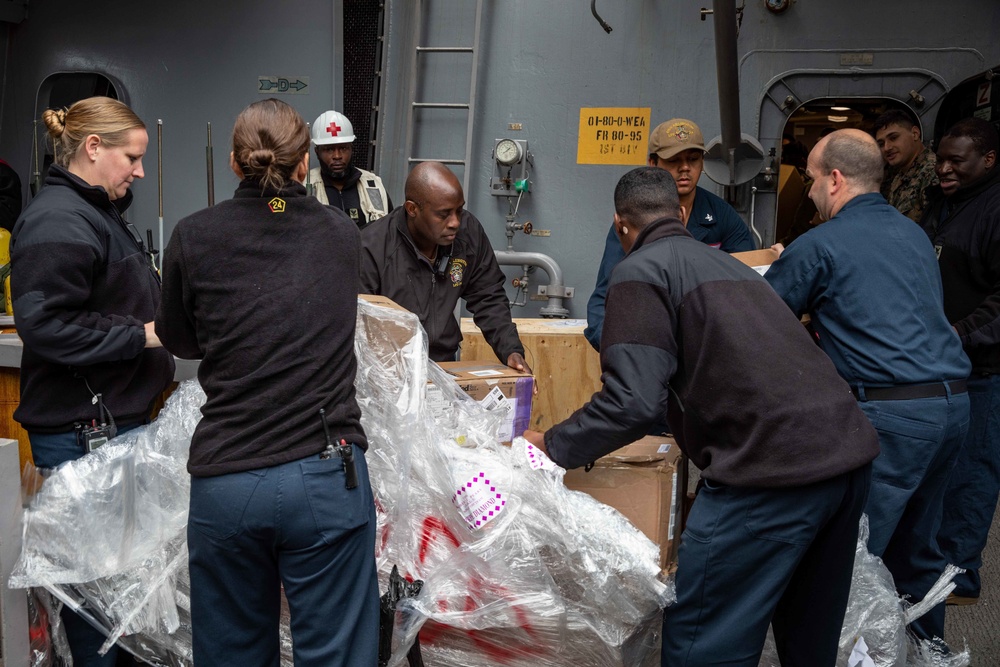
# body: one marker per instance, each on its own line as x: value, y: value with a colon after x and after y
x: 567, y: 370
x: 640, y: 481
x: 497, y: 387
x: 385, y: 334
x: 758, y: 260
x: 380, y: 300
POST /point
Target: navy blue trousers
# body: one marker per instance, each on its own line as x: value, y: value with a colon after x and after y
x: 296, y: 525
x: 51, y: 450
x: 920, y: 441
x: 972, y: 493
x: 750, y: 557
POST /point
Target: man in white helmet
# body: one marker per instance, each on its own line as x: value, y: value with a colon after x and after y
x: 336, y: 182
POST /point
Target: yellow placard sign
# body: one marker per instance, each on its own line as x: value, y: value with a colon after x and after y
x: 613, y: 135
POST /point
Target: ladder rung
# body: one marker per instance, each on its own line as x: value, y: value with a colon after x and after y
x: 421, y: 159
x: 444, y: 49
x: 440, y: 105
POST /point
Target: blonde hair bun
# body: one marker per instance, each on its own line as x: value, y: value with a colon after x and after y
x: 55, y: 121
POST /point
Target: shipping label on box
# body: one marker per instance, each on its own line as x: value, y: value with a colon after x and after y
x: 497, y: 387
x: 640, y: 481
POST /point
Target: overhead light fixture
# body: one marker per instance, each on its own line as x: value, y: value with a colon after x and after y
x: 837, y: 119
x: 840, y: 108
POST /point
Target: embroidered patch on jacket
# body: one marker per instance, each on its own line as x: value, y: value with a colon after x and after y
x: 277, y: 205
x: 456, y: 271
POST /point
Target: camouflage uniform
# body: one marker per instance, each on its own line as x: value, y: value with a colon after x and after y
x: 906, y: 190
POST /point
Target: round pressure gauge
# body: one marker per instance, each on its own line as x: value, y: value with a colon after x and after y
x: 507, y: 152
x: 776, y: 6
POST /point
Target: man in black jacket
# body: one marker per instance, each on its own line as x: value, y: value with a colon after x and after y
x: 784, y: 450
x: 964, y: 225
x: 427, y: 254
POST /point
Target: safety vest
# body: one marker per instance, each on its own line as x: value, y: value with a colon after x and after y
x: 374, y: 201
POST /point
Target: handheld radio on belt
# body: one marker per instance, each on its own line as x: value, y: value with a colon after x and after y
x: 344, y: 450
x: 94, y: 435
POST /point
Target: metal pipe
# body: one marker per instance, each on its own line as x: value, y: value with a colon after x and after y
x: 545, y: 263
x: 726, y: 64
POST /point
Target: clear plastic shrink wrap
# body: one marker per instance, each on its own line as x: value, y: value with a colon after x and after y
x: 107, y: 532
x: 517, y: 569
x: 876, y: 614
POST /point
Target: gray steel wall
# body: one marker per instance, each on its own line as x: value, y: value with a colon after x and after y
x: 541, y: 61
x: 185, y: 62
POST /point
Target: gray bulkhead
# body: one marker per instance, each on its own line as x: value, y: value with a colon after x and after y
x: 539, y: 63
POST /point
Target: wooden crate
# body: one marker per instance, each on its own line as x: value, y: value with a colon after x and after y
x: 567, y: 369
x: 10, y: 397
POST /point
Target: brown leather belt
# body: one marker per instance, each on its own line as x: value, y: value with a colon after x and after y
x: 908, y: 391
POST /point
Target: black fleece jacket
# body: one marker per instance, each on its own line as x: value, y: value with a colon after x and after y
x: 83, y: 288
x: 752, y: 400
x: 965, y: 230
x: 263, y: 288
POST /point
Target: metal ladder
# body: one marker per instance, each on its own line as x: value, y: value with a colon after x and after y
x: 470, y: 107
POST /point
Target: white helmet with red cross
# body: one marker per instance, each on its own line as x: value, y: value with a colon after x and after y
x: 332, y: 127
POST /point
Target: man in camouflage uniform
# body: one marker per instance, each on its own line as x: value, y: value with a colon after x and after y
x: 909, y: 164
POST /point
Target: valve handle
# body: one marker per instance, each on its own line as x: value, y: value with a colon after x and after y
x: 527, y: 228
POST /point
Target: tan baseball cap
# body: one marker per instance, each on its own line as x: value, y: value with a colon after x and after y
x: 674, y: 136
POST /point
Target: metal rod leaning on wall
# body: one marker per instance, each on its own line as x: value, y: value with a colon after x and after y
x: 209, y: 165
x: 159, y: 184
x: 36, y: 177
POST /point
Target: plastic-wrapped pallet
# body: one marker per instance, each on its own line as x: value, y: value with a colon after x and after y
x: 517, y: 570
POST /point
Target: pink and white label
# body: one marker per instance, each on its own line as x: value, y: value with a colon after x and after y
x: 537, y: 459
x: 479, y: 501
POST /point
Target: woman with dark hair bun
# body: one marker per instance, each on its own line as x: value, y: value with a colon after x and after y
x: 263, y: 289
x: 85, y: 292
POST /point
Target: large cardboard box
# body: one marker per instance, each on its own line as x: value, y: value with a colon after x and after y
x: 385, y: 334
x: 497, y: 387
x: 567, y: 370
x: 640, y: 481
x: 759, y: 260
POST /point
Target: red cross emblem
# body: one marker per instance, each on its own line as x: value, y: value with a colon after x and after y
x: 333, y: 129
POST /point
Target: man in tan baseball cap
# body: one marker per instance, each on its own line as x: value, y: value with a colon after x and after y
x: 678, y: 147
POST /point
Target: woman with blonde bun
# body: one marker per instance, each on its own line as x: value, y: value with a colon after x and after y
x: 263, y: 289
x: 84, y: 292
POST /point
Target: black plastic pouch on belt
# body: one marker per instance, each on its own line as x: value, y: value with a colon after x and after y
x: 397, y: 589
x: 344, y: 450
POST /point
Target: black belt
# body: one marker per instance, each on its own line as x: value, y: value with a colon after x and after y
x: 908, y: 391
